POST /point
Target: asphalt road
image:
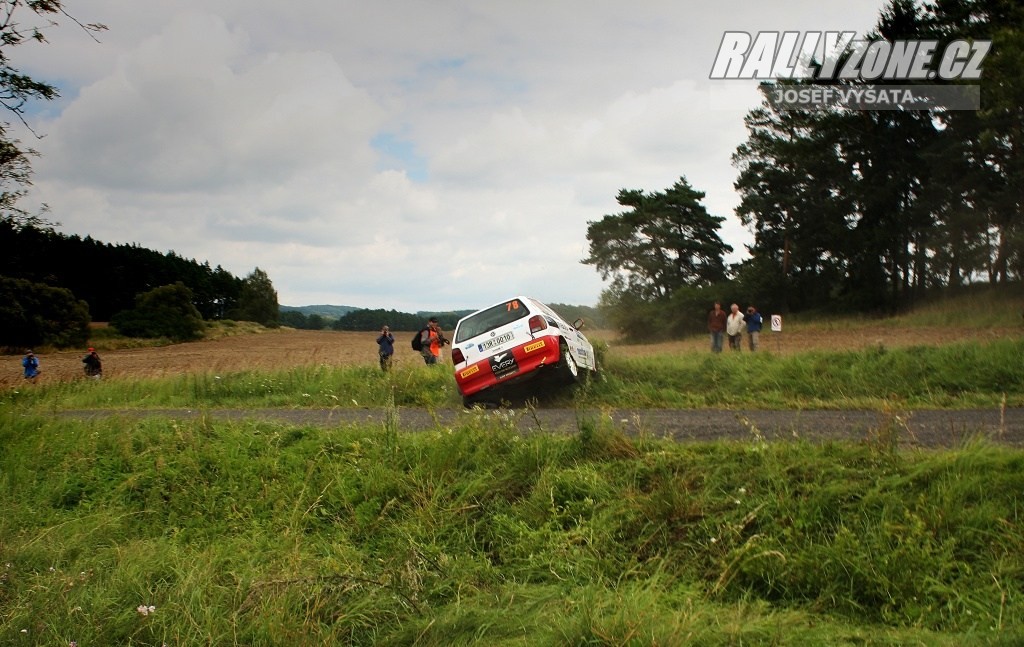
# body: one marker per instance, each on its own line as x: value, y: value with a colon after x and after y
x: 923, y: 428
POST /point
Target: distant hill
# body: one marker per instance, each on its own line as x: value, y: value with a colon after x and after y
x: 326, y: 311
x: 353, y: 318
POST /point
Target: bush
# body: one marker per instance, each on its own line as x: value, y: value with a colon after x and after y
x: 35, y: 314
x: 166, y: 311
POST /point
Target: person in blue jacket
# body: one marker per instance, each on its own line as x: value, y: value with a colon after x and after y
x: 754, y: 321
x: 386, y: 348
x: 31, y: 364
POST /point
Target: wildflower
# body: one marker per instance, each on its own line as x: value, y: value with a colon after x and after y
x: 743, y: 490
x: 24, y: 631
x: 144, y: 610
x: 73, y: 644
x: 714, y: 540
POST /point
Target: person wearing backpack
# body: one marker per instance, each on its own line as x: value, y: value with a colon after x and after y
x: 431, y: 340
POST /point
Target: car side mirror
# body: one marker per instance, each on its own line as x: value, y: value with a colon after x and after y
x: 578, y: 324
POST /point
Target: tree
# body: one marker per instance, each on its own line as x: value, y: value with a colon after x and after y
x: 795, y: 196
x: 33, y: 314
x: 665, y: 241
x: 258, y: 300
x: 293, y: 319
x: 315, y: 322
x: 166, y: 311
x: 18, y: 89
x: 992, y: 137
x: 866, y: 209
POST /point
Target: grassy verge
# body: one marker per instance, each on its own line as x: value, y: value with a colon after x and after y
x: 157, y: 531
x: 964, y: 375
x: 952, y: 376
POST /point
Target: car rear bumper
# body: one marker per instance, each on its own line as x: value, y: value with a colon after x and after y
x: 529, y: 359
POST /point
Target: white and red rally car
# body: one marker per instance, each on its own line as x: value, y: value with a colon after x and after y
x: 515, y: 340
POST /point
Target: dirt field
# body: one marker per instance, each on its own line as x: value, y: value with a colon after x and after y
x: 276, y: 349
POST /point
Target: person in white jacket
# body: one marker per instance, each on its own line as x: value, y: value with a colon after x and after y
x: 734, y: 326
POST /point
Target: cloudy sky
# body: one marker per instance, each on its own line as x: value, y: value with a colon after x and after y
x: 392, y: 154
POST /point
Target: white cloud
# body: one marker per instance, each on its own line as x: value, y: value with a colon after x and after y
x: 399, y: 154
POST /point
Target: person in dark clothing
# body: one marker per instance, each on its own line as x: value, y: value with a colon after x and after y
x: 93, y: 365
x: 754, y: 323
x: 386, y: 348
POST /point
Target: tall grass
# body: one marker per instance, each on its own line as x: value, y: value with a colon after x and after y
x: 974, y: 306
x: 958, y: 375
x: 969, y: 374
x: 253, y: 533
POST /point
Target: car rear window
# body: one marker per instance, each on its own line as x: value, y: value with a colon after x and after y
x: 491, y: 318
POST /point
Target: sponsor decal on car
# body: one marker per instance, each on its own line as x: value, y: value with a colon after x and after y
x: 503, y: 365
x: 469, y: 371
x: 529, y: 348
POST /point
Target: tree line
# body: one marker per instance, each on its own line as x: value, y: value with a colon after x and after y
x: 851, y: 210
x: 373, y: 318
x: 53, y: 285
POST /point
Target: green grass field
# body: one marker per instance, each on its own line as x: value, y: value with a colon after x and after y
x: 160, y: 531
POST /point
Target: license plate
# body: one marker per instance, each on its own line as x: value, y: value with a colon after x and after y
x: 495, y: 341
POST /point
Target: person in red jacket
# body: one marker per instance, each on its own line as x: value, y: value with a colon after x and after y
x: 431, y: 341
x: 716, y: 326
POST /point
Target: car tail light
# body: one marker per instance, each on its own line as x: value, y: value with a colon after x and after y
x: 457, y: 356
x: 537, y: 324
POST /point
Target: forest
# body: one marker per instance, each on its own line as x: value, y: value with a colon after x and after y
x: 852, y: 210
x: 53, y: 285
x: 108, y: 277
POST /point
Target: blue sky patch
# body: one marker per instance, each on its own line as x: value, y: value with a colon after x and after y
x: 400, y: 154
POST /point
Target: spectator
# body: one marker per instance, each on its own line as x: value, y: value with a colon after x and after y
x: 31, y: 364
x: 716, y: 326
x: 432, y: 340
x: 734, y: 327
x: 93, y: 365
x: 754, y: 322
x: 386, y: 348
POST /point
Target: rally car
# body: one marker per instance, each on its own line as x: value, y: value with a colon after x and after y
x: 513, y: 341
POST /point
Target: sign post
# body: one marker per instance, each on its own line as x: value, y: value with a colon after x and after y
x: 777, y: 327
